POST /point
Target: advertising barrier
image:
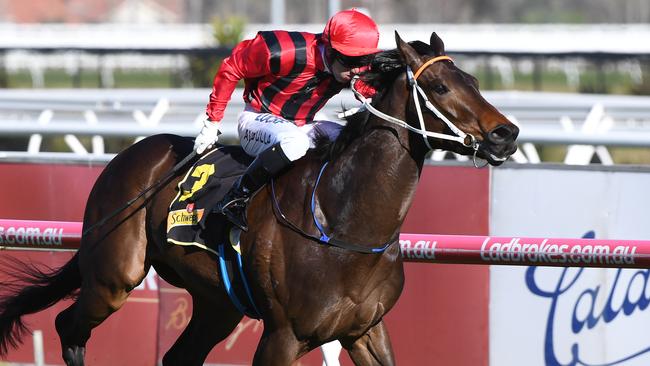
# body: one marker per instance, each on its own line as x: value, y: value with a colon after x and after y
x: 522, y: 251
x: 450, y: 249
x: 572, y: 316
x: 511, y: 315
x: 36, y: 234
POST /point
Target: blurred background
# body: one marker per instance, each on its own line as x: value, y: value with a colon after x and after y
x: 569, y: 72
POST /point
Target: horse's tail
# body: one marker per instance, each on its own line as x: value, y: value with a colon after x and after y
x: 30, y: 289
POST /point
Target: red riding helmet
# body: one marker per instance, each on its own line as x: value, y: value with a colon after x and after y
x: 352, y: 33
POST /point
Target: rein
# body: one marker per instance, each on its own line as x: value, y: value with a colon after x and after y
x: 461, y: 137
x: 130, y: 202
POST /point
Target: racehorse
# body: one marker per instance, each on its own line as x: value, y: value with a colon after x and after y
x: 307, y: 293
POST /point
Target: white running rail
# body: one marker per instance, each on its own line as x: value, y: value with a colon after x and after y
x: 588, y: 124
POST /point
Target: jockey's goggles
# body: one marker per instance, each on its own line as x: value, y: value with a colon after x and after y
x: 351, y: 62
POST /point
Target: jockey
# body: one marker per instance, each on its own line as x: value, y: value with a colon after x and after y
x: 288, y: 77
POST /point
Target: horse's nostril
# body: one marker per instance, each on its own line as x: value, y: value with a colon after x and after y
x: 503, y: 133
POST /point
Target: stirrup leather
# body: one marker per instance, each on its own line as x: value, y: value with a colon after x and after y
x: 265, y: 166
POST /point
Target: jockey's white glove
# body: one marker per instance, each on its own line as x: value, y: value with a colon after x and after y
x: 207, y: 137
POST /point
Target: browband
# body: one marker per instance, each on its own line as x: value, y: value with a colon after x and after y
x: 426, y: 64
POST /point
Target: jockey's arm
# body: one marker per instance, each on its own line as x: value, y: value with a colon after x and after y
x: 249, y: 59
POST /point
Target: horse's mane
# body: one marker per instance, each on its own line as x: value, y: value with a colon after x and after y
x: 385, y: 67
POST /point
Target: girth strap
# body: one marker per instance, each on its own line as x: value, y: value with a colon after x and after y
x: 232, y: 275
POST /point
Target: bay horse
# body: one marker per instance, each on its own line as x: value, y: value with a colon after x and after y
x: 307, y: 293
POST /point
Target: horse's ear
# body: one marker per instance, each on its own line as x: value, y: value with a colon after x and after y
x: 436, y: 43
x: 409, y: 54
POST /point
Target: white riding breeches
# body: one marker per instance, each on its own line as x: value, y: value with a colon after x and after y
x: 259, y: 131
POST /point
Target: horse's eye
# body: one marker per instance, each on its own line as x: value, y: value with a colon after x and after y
x: 440, y: 89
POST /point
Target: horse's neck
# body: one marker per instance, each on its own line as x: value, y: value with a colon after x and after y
x: 372, y: 185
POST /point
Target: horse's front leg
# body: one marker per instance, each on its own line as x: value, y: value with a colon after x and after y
x: 210, y: 324
x: 278, y: 347
x: 372, y: 348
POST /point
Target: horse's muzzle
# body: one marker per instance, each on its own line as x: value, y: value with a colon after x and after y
x: 499, y: 143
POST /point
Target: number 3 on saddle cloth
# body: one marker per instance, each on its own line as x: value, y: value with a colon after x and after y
x: 190, y: 224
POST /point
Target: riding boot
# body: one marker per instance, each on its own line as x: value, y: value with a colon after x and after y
x: 265, y: 166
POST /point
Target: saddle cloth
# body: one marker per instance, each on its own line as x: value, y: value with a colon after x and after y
x: 205, y: 183
x: 189, y: 221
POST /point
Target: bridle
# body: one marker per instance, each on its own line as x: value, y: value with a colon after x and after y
x: 461, y: 137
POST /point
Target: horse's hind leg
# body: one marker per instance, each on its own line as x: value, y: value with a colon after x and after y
x: 96, y: 301
x: 372, y: 348
x: 110, y: 270
x: 209, y: 325
x: 74, y: 324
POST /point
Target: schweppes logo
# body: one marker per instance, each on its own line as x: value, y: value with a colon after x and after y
x: 183, y: 218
